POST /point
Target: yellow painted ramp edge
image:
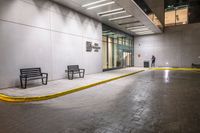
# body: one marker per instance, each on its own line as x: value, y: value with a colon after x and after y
x: 13, y: 99
x: 177, y: 69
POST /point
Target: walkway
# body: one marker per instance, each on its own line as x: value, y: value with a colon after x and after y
x: 58, y: 86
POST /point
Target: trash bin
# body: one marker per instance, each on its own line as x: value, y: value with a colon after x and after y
x: 146, y: 63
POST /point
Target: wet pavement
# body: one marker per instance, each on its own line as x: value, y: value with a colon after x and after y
x: 148, y: 102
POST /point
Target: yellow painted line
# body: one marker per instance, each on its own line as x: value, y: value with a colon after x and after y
x: 176, y: 69
x: 12, y: 99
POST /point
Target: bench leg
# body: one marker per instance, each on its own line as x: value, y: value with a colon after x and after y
x: 83, y: 74
x: 71, y: 77
x: 68, y: 74
x: 80, y: 75
x: 21, y: 82
x: 46, y: 80
x: 25, y: 84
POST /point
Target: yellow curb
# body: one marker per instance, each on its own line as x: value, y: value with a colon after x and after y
x: 12, y: 99
x: 176, y: 69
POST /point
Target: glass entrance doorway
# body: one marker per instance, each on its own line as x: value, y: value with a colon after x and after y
x: 117, y: 49
x: 127, y: 57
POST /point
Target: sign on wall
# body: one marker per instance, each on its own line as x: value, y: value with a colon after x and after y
x: 90, y: 47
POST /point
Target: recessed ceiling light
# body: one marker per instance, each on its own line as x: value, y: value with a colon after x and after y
x: 144, y: 32
x: 140, y: 29
x: 135, y: 27
x: 93, y: 3
x: 97, y: 6
x: 131, y: 22
x: 110, y: 11
x: 113, y: 13
x: 122, y: 17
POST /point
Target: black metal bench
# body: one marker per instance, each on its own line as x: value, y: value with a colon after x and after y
x: 195, y: 65
x: 32, y: 74
x: 74, y: 69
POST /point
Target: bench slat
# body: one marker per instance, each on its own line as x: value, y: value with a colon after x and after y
x: 31, y: 72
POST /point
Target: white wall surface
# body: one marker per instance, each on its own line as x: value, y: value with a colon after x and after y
x: 38, y: 33
x: 177, y: 47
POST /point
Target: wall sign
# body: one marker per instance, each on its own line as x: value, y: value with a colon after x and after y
x: 96, y: 47
x: 90, y: 47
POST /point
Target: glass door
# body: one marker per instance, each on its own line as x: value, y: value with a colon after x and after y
x: 127, y: 57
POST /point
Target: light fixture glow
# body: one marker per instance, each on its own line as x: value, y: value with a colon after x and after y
x: 145, y: 32
x: 114, y: 13
x: 140, y: 29
x: 110, y: 11
x: 97, y: 6
x: 122, y: 17
x: 138, y: 32
x: 93, y: 3
x: 135, y: 27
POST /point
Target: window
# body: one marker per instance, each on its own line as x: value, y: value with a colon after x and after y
x: 176, y: 16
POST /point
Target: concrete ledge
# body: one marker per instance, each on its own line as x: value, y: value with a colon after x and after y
x: 13, y: 99
x: 177, y: 69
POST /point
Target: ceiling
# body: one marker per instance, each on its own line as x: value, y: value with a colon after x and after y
x: 124, y: 15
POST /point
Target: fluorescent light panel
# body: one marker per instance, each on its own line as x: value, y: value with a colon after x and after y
x: 114, y: 13
x: 110, y: 11
x: 97, y: 6
x: 93, y: 3
x: 140, y: 29
x: 144, y: 32
x: 135, y: 27
x: 122, y: 17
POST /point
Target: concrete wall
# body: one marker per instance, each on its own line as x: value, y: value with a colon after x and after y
x: 177, y: 47
x: 38, y: 33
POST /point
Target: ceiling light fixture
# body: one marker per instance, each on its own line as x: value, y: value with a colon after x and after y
x: 97, y: 6
x: 135, y: 27
x: 113, y: 13
x: 110, y: 11
x: 144, y: 32
x: 140, y: 29
x: 119, y: 18
x: 93, y: 3
x: 131, y: 22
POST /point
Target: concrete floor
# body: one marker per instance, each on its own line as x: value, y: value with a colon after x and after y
x: 149, y: 102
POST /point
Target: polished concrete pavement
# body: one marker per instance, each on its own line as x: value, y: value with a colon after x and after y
x: 148, y: 102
